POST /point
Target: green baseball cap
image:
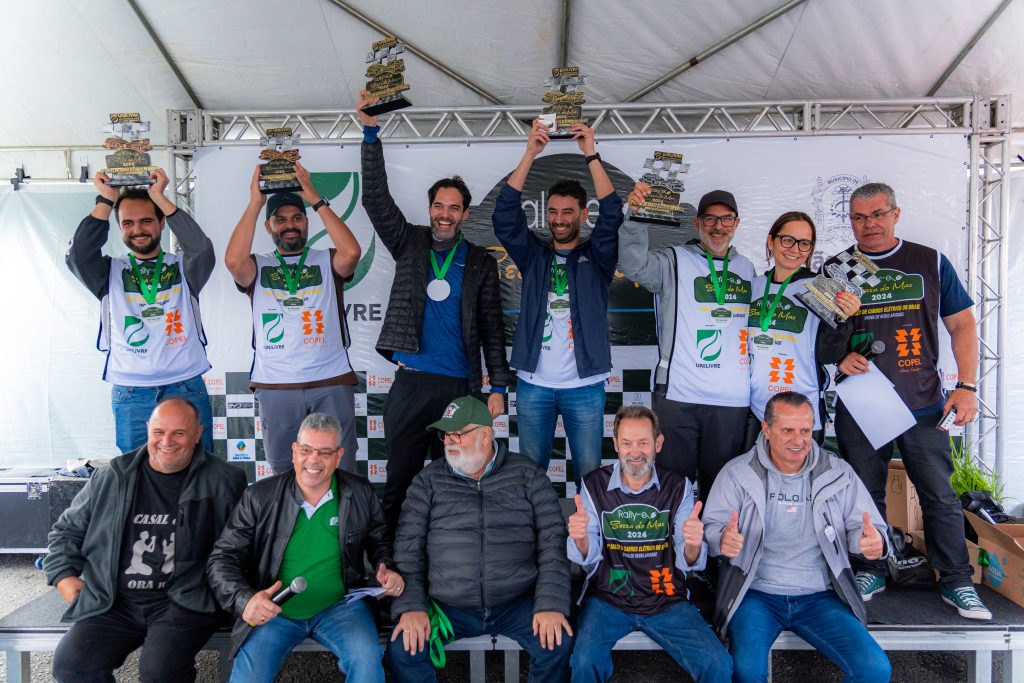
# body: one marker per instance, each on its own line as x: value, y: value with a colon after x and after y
x: 461, y: 412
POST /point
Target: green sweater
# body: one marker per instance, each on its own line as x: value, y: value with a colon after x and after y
x: 314, y: 553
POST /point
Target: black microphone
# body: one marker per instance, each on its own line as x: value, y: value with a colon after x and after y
x: 297, y: 585
x: 877, y: 349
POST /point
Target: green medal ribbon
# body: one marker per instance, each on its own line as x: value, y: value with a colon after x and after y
x: 559, y: 278
x: 766, y: 314
x: 440, y: 631
x: 719, y: 284
x: 148, y: 289
x: 442, y: 270
x: 292, y: 273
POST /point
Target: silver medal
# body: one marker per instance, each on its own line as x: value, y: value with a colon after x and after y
x: 438, y: 290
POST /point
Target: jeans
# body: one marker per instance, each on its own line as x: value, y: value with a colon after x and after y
x: 347, y: 630
x: 926, y: 455
x: 283, y: 410
x: 819, y: 618
x: 679, y: 630
x: 170, y: 637
x: 582, y: 410
x: 133, y: 405
x: 513, y: 619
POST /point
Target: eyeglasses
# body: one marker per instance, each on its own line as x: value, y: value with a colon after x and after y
x: 456, y: 436
x: 724, y: 221
x: 859, y: 218
x: 306, y: 451
x: 788, y: 241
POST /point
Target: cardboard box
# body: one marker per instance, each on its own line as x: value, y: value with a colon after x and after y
x: 972, y: 554
x: 903, y: 507
x: 1004, y: 547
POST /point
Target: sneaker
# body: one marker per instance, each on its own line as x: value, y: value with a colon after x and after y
x: 869, y: 584
x: 966, y: 601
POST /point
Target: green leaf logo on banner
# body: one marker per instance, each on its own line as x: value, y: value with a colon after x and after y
x: 331, y: 185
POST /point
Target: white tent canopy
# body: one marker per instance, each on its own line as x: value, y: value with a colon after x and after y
x: 72, y: 62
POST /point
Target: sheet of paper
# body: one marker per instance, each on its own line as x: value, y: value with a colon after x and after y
x: 874, y: 404
x: 360, y: 593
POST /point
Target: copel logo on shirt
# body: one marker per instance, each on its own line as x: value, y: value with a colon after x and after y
x: 781, y: 370
x: 313, y: 327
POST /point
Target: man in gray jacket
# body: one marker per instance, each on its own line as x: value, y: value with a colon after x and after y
x: 130, y: 554
x: 482, y: 539
x: 702, y: 380
x: 787, y: 514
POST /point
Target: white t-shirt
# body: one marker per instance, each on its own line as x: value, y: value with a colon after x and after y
x: 710, y: 364
x: 556, y: 367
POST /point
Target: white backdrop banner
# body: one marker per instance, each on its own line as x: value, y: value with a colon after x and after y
x: 768, y: 176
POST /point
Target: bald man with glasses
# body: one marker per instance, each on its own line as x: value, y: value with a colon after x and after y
x: 702, y: 289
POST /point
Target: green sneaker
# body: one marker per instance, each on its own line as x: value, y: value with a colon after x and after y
x: 966, y: 601
x: 869, y: 584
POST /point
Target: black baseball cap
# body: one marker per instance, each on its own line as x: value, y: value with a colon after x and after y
x: 717, y: 197
x: 279, y: 199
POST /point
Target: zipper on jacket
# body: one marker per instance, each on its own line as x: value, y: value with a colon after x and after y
x: 483, y: 531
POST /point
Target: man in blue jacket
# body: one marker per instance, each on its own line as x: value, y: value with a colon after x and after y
x: 562, y: 346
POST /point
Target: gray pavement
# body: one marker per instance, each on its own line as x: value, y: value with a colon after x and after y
x: 20, y: 582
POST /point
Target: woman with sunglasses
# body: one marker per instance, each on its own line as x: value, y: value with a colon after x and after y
x: 787, y: 344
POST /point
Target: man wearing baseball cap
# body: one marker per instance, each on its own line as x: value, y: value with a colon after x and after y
x: 298, y: 316
x: 702, y: 381
x: 481, y: 539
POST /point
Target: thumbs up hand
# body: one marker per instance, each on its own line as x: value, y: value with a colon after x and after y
x: 693, y: 534
x: 871, y: 545
x: 578, y: 522
x: 732, y: 540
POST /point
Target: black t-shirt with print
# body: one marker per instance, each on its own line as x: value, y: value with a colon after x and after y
x: 147, y: 553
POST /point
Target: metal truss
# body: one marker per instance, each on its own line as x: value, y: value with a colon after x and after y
x: 985, y: 121
x: 629, y: 120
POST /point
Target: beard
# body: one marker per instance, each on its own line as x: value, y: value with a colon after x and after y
x: 574, y: 233
x: 638, y: 470
x: 294, y: 241
x: 144, y: 248
x: 438, y: 233
x: 467, y: 463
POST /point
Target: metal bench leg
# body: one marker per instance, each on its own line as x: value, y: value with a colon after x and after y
x: 511, y: 666
x: 477, y: 665
x: 224, y: 664
x: 19, y: 666
x: 979, y: 666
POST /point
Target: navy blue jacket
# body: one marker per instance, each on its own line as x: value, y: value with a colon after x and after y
x: 590, y: 267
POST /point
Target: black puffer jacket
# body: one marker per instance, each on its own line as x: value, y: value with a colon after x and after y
x: 476, y: 544
x: 409, y: 245
x: 248, y: 555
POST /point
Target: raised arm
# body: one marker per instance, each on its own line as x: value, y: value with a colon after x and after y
x: 238, y: 255
x: 346, y: 248
x: 84, y: 258
x: 648, y: 268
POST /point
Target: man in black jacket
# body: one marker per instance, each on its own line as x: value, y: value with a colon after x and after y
x: 481, y: 538
x: 129, y: 554
x: 318, y: 524
x: 445, y: 308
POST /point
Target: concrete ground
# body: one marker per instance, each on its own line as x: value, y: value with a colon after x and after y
x: 20, y: 581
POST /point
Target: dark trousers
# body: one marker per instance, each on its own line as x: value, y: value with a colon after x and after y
x: 415, y: 400
x: 170, y: 637
x: 699, y: 439
x: 926, y: 455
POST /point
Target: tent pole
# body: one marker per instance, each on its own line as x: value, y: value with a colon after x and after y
x: 166, y: 55
x: 563, y: 47
x: 447, y: 71
x: 968, y: 47
x: 715, y: 49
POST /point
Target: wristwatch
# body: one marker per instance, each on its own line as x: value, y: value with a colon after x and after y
x: 100, y: 199
x: 323, y: 202
x: 591, y: 157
